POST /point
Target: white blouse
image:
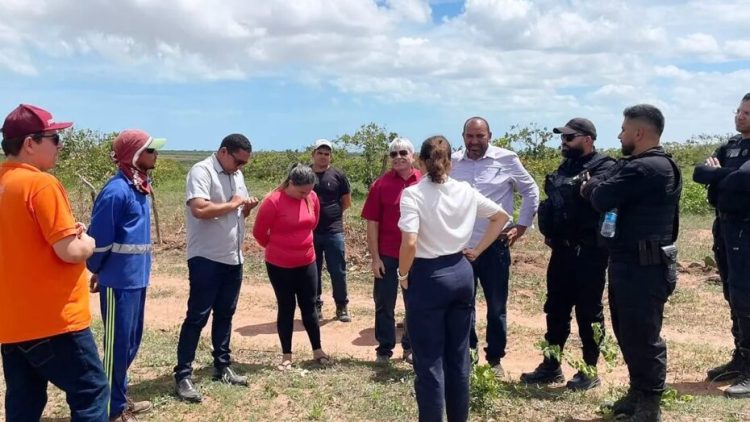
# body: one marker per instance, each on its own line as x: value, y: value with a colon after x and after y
x: 442, y: 215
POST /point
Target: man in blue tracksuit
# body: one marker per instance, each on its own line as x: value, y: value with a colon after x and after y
x: 121, y: 264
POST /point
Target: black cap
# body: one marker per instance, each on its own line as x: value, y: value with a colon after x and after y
x: 577, y: 125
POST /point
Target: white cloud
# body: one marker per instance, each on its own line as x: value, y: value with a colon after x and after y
x: 699, y: 44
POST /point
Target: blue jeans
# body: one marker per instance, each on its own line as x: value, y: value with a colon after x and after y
x: 441, y: 301
x: 70, y: 361
x: 384, y: 292
x: 492, y: 270
x: 331, y: 247
x: 213, y: 286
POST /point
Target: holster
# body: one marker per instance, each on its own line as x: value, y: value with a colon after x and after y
x: 649, y: 252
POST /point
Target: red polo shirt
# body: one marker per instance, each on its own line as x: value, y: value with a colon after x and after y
x: 383, y: 205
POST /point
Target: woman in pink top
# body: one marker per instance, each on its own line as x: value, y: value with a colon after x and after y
x: 284, y: 227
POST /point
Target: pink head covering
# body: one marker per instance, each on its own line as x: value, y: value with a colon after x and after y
x: 126, y: 149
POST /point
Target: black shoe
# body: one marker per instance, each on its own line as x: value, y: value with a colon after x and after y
x: 727, y: 371
x: 624, y: 407
x: 741, y: 387
x: 648, y: 409
x: 548, y: 372
x: 581, y: 382
x: 342, y: 314
x: 186, y: 391
x: 228, y: 376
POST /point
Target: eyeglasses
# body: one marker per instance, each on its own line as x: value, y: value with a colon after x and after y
x: 237, y: 161
x: 55, y: 137
x: 150, y: 150
x: 568, y: 137
x: 402, y: 153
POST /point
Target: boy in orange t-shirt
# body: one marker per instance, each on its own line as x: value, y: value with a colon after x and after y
x: 44, y: 300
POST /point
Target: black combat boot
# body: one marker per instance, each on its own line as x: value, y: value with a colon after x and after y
x: 648, y: 409
x: 727, y: 371
x: 624, y: 407
x: 548, y: 372
x: 741, y: 387
x: 581, y: 382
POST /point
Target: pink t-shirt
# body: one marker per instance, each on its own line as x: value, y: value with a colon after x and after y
x: 284, y: 226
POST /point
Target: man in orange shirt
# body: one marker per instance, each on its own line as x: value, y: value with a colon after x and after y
x: 44, y: 299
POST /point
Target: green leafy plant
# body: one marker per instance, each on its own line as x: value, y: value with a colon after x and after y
x: 607, y: 348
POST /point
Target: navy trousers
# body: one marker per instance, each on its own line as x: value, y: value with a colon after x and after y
x: 122, y: 312
x: 213, y: 287
x: 440, y: 299
x: 384, y: 292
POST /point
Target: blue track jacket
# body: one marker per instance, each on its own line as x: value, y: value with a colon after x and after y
x: 121, y: 226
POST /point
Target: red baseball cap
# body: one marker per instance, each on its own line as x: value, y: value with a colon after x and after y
x: 27, y: 119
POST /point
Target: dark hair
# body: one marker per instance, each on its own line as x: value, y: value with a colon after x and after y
x: 646, y: 113
x: 235, y: 142
x: 436, y: 156
x: 746, y: 97
x: 487, y: 125
x: 12, y: 146
x: 300, y: 174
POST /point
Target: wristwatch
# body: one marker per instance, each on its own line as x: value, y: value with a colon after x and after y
x: 401, y: 277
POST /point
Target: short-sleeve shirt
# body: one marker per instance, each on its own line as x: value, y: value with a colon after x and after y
x: 219, y: 238
x: 40, y: 294
x: 443, y: 215
x: 330, y: 186
x: 383, y: 206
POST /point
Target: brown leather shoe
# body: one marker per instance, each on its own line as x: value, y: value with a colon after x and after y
x: 136, y: 407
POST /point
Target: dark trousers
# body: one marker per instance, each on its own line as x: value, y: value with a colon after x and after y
x: 69, y: 361
x: 736, y: 236
x: 440, y: 300
x: 331, y: 247
x: 636, y: 299
x: 122, y: 312
x: 293, y: 286
x: 575, y: 278
x: 213, y: 286
x: 492, y: 270
x: 720, y: 254
x: 384, y: 292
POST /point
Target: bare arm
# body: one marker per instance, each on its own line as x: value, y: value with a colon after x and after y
x: 202, y: 208
x: 74, y: 248
x: 346, y: 202
x: 406, y: 254
x: 497, y: 222
x: 378, y: 269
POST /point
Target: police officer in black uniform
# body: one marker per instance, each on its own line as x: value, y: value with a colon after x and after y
x: 576, y: 270
x: 644, y: 190
x: 727, y: 174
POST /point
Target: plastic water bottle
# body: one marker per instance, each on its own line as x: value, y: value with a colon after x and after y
x: 609, y: 223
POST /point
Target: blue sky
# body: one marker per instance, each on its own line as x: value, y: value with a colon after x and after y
x: 286, y: 73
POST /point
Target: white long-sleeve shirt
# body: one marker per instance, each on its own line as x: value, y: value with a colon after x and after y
x: 496, y: 175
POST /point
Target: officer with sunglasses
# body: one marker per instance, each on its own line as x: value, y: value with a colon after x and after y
x: 576, y: 270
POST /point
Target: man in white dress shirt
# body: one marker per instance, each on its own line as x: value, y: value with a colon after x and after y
x: 496, y: 173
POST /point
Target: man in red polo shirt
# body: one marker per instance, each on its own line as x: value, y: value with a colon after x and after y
x: 381, y: 210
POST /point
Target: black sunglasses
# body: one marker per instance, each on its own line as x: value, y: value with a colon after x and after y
x: 402, y: 153
x: 237, y: 161
x: 568, y: 137
x: 150, y: 150
x: 55, y: 138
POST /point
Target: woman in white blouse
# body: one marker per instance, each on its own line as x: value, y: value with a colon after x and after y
x: 437, y: 218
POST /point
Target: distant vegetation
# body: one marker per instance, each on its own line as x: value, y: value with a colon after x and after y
x: 362, y: 156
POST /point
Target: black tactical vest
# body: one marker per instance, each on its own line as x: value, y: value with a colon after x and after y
x: 731, y: 155
x: 565, y: 214
x: 654, y: 217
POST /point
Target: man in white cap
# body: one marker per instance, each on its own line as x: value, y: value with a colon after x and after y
x: 121, y: 264
x: 335, y: 197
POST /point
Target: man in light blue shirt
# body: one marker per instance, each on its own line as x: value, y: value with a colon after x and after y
x: 496, y: 173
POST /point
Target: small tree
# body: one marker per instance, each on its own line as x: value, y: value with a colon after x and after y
x: 370, y: 144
